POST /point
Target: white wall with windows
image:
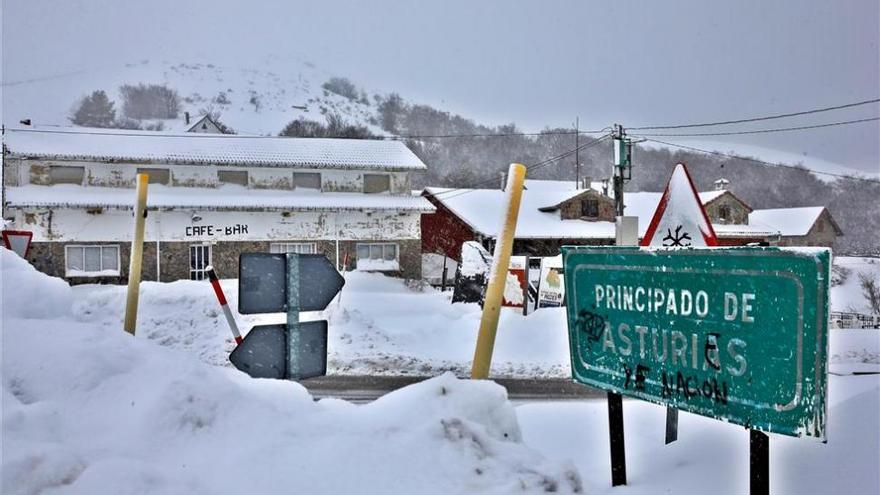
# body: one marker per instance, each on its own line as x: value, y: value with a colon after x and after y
x: 91, y: 261
x: 88, y: 173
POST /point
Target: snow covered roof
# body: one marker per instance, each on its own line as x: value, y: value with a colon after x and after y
x: 788, y: 221
x: 482, y: 209
x: 707, y: 196
x: 179, y: 125
x: 159, y: 147
x: 227, y: 197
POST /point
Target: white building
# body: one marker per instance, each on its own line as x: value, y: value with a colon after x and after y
x: 211, y: 197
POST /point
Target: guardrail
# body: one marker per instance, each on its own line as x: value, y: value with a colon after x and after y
x: 840, y: 319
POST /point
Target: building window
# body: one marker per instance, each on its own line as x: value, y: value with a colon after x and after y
x: 239, y: 177
x: 91, y: 261
x: 724, y: 213
x: 590, y: 208
x: 820, y: 226
x: 307, y: 180
x: 377, y: 256
x: 59, y: 174
x: 157, y: 175
x: 377, y: 183
x: 293, y: 247
x: 199, y: 261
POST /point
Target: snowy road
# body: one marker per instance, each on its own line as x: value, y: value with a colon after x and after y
x: 361, y: 389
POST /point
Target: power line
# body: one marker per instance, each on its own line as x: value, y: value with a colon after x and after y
x: 762, y: 162
x: 256, y: 136
x: 531, y: 168
x: 760, y: 131
x: 757, y: 119
x: 508, y: 134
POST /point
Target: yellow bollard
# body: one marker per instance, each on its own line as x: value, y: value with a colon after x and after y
x: 137, y: 255
x: 498, y: 275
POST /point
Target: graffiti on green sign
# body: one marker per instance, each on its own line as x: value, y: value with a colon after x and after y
x: 738, y: 334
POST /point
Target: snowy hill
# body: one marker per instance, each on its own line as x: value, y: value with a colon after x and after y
x: 258, y: 99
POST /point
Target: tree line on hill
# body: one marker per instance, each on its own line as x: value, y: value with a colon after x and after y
x: 144, y: 106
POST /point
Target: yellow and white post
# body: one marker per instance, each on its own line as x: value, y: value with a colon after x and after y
x: 498, y: 274
x: 137, y: 255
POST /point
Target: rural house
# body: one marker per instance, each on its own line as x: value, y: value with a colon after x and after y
x: 211, y: 197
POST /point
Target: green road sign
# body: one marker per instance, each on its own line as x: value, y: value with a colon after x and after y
x: 735, y: 334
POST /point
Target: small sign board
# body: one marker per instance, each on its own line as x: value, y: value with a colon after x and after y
x: 17, y: 241
x: 551, y: 288
x: 263, y: 282
x: 736, y: 334
x: 516, y: 284
x: 265, y: 351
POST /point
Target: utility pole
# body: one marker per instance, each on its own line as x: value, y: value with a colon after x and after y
x: 622, y: 165
x: 577, y: 155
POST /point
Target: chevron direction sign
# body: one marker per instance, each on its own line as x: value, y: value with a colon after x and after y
x: 291, y: 283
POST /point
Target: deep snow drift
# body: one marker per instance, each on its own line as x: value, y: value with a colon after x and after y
x: 89, y: 409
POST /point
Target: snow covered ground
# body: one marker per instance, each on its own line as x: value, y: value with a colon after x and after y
x: 711, y: 456
x: 382, y: 326
x: 87, y: 409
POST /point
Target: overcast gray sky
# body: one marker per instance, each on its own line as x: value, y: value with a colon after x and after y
x: 537, y: 63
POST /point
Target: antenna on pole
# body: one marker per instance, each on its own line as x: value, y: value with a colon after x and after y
x: 577, y: 156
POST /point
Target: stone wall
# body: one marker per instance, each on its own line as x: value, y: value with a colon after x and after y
x: 49, y: 258
x: 571, y: 209
x: 738, y: 211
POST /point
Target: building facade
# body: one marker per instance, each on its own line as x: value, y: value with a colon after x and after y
x: 210, y: 198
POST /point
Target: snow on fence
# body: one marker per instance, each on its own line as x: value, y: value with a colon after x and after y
x: 841, y: 319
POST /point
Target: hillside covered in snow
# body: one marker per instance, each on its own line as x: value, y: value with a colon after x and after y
x: 259, y: 99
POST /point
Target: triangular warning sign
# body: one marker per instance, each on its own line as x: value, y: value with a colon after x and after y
x: 680, y: 220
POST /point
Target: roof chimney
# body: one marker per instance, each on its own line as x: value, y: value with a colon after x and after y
x: 587, y: 183
x: 186, y: 117
x: 721, y: 184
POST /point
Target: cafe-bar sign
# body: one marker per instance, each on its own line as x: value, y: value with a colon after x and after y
x: 736, y: 334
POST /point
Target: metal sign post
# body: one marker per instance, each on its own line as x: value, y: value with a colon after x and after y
x: 291, y: 283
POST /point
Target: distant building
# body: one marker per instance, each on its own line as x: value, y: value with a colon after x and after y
x: 556, y: 213
x: 809, y: 226
x: 203, y: 124
x: 210, y: 199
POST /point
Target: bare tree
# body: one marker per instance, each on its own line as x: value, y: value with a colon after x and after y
x: 871, y: 291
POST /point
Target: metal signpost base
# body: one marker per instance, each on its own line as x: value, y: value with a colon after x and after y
x: 671, y: 425
x: 759, y: 463
x: 615, y: 431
